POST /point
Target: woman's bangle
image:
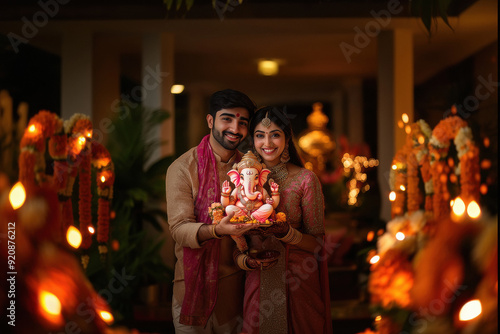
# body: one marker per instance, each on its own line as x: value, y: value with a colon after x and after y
x: 293, y: 237
x: 241, y: 261
x: 214, y: 234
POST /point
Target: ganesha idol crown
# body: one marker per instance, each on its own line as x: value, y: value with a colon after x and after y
x: 249, y: 160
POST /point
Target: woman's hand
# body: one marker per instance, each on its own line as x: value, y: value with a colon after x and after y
x: 225, y: 227
x: 262, y: 265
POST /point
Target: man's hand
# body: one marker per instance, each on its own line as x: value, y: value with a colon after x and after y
x: 279, y: 229
x: 225, y: 227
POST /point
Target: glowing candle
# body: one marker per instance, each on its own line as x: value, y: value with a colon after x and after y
x: 74, y: 237
x: 17, y: 195
x: 472, y: 309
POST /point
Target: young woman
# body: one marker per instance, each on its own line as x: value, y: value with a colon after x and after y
x: 292, y: 295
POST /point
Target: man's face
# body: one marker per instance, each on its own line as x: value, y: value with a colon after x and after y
x: 230, y: 127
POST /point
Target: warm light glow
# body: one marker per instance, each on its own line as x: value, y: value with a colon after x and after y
x: 458, y: 207
x: 107, y: 317
x: 378, y: 318
x: 74, y: 237
x: 32, y: 128
x: 81, y: 141
x: 483, y: 189
x: 89, y: 134
x: 451, y: 203
x: 268, y: 67
x: 470, y: 310
x: 392, y: 196
x: 177, y: 89
x: 374, y: 259
x: 17, y: 195
x: 103, y: 179
x: 486, y: 142
x: 405, y: 118
x: 407, y: 129
x: 91, y: 229
x: 473, y: 210
x: 394, y: 167
x: 421, y: 140
x: 370, y: 236
x: 402, y: 188
x: 50, y: 303
x: 401, y: 124
x: 400, y: 236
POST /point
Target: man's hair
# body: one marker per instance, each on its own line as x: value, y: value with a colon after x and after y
x: 228, y: 99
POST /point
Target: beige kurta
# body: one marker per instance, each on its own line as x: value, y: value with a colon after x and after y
x: 182, y: 189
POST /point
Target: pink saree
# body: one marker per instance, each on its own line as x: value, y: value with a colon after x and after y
x: 293, y: 296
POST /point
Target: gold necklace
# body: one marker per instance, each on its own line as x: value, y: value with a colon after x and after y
x: 279, y: 173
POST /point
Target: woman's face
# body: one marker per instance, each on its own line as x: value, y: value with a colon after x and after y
x: 269, y: 143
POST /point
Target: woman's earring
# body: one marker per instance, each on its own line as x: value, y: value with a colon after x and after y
x: 285, y: 156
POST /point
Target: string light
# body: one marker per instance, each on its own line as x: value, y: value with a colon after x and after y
x: 374, y: 259
x: 472, y: 309
x: 392, y: 196
x: 400, y: 236
x: 74, y: 237
x: 50, y: 303
x: 354, y: 168
x: 473, y: 210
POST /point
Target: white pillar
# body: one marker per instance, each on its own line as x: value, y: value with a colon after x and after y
x: 395, y: 97
x: 157, y: 79
x: 76, y: 74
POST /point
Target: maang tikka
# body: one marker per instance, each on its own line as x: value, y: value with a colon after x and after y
x: 266, y: 121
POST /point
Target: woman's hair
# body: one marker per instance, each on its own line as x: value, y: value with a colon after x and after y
x: 278, y: 117
x: 229, y: 99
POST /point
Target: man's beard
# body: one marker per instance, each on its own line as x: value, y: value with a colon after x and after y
x: 228, y: 145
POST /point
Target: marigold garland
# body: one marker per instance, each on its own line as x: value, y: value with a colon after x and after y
x: 70, y: 145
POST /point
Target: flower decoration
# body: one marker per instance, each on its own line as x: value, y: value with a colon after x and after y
x: 74, y: 153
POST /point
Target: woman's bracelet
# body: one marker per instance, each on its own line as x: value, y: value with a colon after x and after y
x: 241, y: 261
x: 214, y: 234
x: 293, y: 237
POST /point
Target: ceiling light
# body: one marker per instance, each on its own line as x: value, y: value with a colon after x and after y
x: 177, y: 89
x: 268, y: 67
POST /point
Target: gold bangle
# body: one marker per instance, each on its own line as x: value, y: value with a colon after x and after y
x: 293, y: 237
x: 214, y: 234
x: 241, y: 261
x: 224, y: 195
x: 275, y: 194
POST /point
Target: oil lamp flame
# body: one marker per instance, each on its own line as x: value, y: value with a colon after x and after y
x: 458, y: 207
x: 472, y: 309
x: 400, y: 236
x: 74, y: 237
x: 17, y: 195
x: 50, y: 303
x: 374, y: 259
x: 473, y: 210
x: 107, y: 317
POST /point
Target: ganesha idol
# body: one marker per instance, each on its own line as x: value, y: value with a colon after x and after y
x: 249, y: 198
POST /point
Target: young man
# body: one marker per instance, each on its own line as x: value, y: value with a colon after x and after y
x: 208, y: 286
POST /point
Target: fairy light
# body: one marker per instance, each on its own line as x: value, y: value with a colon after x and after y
x: 103, y: 179
x: 74, y: 237
x: 401, y: 124
x: 370, y: 236
x: 91, y: 229
x: 473, y: 210
x: 405, y: 118
x: 17, y: 196
x: 394, y: 167
x: 392, y: 196
x: 378, y: 318
x: 81, y: 140
x: 408, y: 129
x: 32, y: 128
x: 402, y: 187
x: 483, y: 189
x: 400, y: 236
x: 354, y: 167
x: 421, y: 140
x: 471, y: 310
